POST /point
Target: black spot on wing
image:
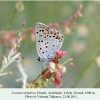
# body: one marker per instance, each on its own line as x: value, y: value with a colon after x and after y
x: 46, y: 46
x: 40, y: 48
x: 43, y: 52
x: 47, y: 42
x: 42, y: 41
x: 42, y: 30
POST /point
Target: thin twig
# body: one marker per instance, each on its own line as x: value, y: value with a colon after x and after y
x: 71, y: 59
x: 3, y: 74
x: 53, y: 24
x: 13, y: 55
x: 33, y: 81
x: 24, y: 75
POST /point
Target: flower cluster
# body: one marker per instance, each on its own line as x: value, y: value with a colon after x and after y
x: 58, y: 56
x: 10, y: 36
x: 53, y: 73
x: 57, y: 71
x: 13, y: 55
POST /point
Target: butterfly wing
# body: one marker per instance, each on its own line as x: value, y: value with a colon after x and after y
x: 41, y: 40
x: 55, y: 42
x: 48, y: 41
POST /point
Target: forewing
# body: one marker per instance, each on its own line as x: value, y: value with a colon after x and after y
x: 41, y: 39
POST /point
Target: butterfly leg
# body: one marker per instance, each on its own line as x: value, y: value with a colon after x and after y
x: 43, y: 65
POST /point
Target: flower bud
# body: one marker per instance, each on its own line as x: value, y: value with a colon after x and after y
x: 78, y: 15
x: 67, y: 30
x: 74, y: 24
x: 1, y: 86
x: 71, y: 64
x: 48, y: 75
x: 36, y: 85
x: 10, y: 73
x: 20, y: 6
x: 17, y: 56
x: 4, y: 59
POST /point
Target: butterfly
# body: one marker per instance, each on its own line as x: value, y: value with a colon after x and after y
x: 48, y: 41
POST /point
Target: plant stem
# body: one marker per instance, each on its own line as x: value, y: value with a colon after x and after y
x: 5, y: 66
x: 2, y: 52
x: 12, y: 19
x: 97, y: 84
x: 33, y: 81
x: 84, y: 70
x: 94, y: 84
x: 67, y: 61
x: 2, y: 74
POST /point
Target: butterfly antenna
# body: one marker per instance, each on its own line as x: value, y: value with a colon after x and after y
x: 26, y: 57
x: 23, y: 57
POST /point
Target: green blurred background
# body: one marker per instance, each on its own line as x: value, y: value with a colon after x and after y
x: 82, y: 44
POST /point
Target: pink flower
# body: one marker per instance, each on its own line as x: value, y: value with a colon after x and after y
x: 32, y: 35
x: 57, y: 71
x: 12, y: 40
x: 7, y: 35
x: 51, y: 67
x: 58, y: 78
x: 58, y: 75
x: 24, y: 36
x: 61, y: 54
x: 58, y: 83
x: 58, y: 56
